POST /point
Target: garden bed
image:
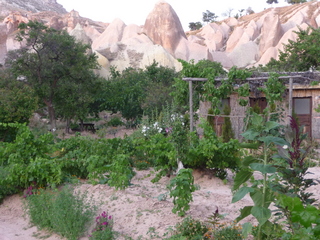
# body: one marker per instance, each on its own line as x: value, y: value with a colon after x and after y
x: 143, y: 209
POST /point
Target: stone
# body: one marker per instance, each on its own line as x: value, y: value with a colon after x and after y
x: 245, y: 54
x: 271, y: 32
x: 112, y: 34
x: 163, y: 26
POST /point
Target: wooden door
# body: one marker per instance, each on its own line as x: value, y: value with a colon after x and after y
x: 302, y: 107
x: 218, y: 120
x: 259, y: 103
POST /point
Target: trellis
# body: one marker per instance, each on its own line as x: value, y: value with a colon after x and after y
x: 255, y: 82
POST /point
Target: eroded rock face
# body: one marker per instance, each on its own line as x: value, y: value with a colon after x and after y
x: 164, y: 27
x: 248, y: 41
x: 271, y: 32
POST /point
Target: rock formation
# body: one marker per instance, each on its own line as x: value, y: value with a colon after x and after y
x: 248, y: 41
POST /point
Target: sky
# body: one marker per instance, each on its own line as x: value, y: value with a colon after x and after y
x: 136, y: 11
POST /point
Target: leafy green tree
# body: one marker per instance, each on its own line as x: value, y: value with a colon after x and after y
x: 17, y: 103
x: 300, y: 55
x: 158, y: 87
x: 135, y: 92
x: 124, y: 92
x: 51, y: 61
x: 295, y: 1
x: 272, y: 1
x: 195, y: 26
x: 209, y: 16
x: 78, y: 99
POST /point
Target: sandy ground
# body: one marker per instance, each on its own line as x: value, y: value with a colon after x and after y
x: 139, y: 208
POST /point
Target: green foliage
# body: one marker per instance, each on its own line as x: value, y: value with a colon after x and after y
x: 274, y: 89
x: 299, y: 55
x: 208, y: 16
x: 295, y: 1
x: 120, y: 172
x: 260, y: 191
x: 181, y: 188
x: 210, y: 152
x: 134, y: 91
x: 210, y: 118
x: 272, y: 1
x: 62, y: 211
x: 54, y: 65
x: 17, y: 100
x: 28, y: 159
x: 115, y: 122
x: 190, y: 228
x: 303, y: 220
x: 201, y: 69
x: 195, y: 26
x: 227, y: 132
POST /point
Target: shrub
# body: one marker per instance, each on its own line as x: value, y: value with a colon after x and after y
x: 189, y: 228
x: 62, y: 211
x: 115, y: 122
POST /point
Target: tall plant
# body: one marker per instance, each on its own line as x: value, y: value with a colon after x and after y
x: 260, y: 191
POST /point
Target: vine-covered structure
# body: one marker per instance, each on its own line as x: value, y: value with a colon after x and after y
x: 301, y: 97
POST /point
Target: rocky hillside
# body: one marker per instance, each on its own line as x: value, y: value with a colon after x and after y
x: 251, y: 40
x: 33, y: 6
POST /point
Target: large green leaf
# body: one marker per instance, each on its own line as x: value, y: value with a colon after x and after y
x: 262, y: 214
x: 271, y: 125
x: 241, y: 177
x: 257, y: 197
x: 241, y: 193
x: 244, y: 212
x: 248, y: 160
x: 250, y: 145
x: 270, y: 139
x: 268, y: 168
x: 250, y: 134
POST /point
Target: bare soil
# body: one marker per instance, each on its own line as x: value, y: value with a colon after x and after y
x: 143, y: 209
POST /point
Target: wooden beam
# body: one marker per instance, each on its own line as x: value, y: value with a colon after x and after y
x: 191, y: 106
x: 290, y: 98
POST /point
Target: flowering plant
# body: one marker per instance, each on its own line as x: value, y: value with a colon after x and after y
x: 103, y: 229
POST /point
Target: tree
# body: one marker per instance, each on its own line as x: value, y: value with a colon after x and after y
x: 295, y: 1
x: 272, y: 1
x: 249, y: 11
x: 17, y: 103
x: 51, y: 61
x: 299, y: 55
x: 208, y: 16
x: 195, y: 26
x: 135, y: 92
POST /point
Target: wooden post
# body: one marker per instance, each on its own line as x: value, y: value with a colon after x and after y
x: 191, y: 105
x: 290, y: 98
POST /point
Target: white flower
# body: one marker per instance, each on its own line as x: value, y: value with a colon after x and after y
x: 285, y: 147
x: 160, y: 130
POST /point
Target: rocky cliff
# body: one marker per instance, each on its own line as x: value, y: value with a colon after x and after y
x: 250, y: 40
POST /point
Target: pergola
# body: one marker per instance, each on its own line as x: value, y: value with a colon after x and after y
x: 301, y: 77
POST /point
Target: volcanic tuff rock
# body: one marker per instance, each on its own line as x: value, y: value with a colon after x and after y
x: 248, y: 41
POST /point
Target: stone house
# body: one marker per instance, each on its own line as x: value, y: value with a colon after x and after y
x: 301, y: 97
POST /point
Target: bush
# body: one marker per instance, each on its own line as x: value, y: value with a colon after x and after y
x: 115, y: 122
x: 189, y: 228
x: 60, y: 211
